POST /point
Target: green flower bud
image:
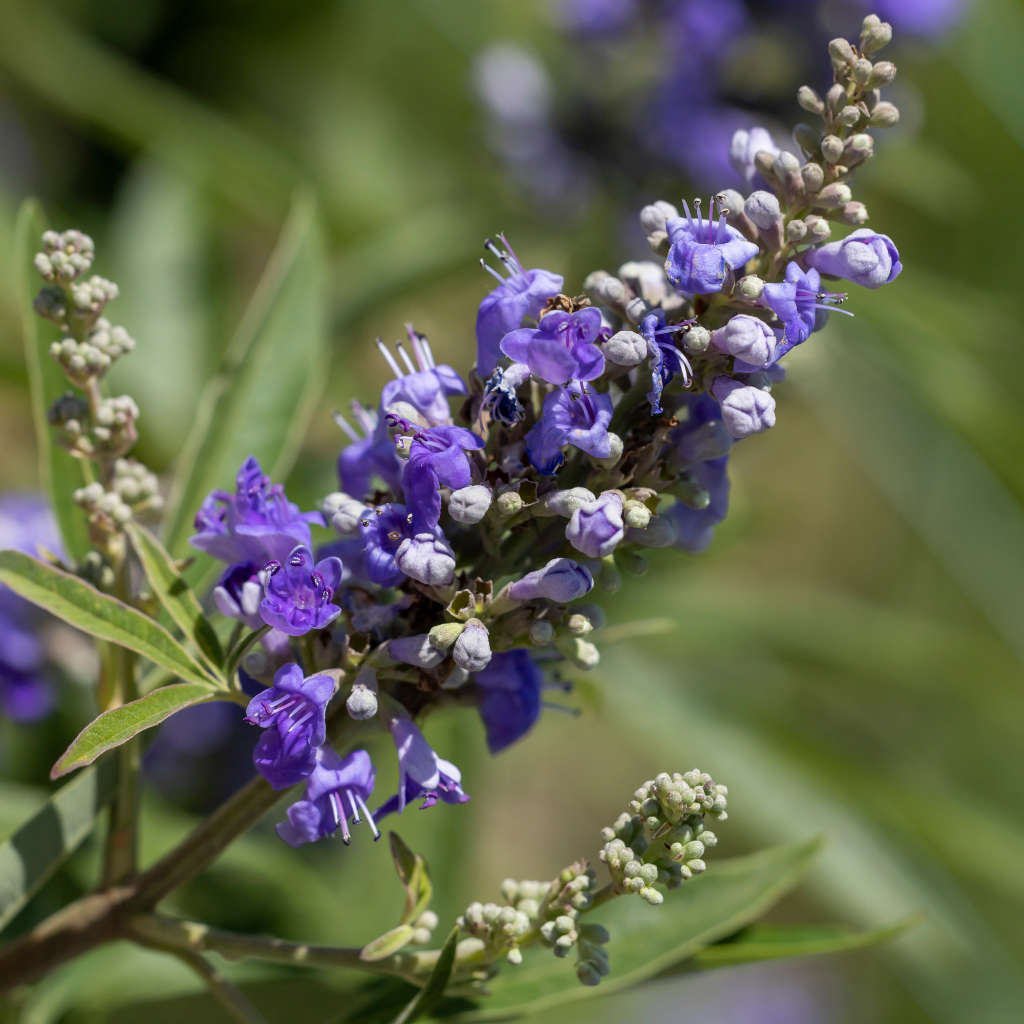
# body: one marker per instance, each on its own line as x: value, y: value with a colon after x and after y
x: 636, y: 515
x: 818, y: 229
x: 541, y: 633
x: 796, y: 231
x: 814, y: 176
x: 579, y: 625
x: 834, y: 195
x: 749, y: 288
x: 443, y: 635
x: 696, y: 340
x: 508, y: 503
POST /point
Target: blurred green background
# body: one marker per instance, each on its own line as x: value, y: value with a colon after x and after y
x: 848, y: 654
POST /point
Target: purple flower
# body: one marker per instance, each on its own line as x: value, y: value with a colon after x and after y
x: 561, y: 580
x: 382, y: 530
x: 745, y: 146
x: 862, y: 257
x: 338, y: 789
x: 576, y: 415
x: 297, y: 594
x: 427, y: 388
x: 292, y: 714
x: 796, y: 301
x: 666, y: 359
x: 500, y: 399
x: 597, y: 528
x: 255, y: 524
x: 421, y: 773
x: 694, y: 527
x: 746, y: 410
x: 562, y: 347
x: 370, y: 455
x: 701, y: 434
x: 522, y: 293
x: 510, y: 697
x: 749, y: 338
x: 238, y: 593
x: 702, y: 252
x: 437, y: 456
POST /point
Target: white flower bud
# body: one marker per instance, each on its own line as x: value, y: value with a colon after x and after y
x: 763, y: 209
x: 342, y: 512
x: 565, y: 503
x: 468, y: 505
x: 626, y: 348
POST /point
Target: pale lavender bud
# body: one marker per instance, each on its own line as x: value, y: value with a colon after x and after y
x: 561, y: 580
x: 745, y: 410
x: 343, y: 512
x: 415, y: 650
x: 472, y: 650
x: 748, y: 338
x: 468, y: 505
x: 565, y: 503
x: 597, y: 527
x: 626, y: 348
x: 426, y: 558
x: 763, y: 209
x: 866, y: 258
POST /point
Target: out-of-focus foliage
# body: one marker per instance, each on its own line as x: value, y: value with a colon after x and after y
x: 849, y: 651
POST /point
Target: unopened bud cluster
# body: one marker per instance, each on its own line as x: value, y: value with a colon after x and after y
x: 89, y: 424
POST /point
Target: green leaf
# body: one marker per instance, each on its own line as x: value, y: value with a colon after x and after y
x: 414, y: 876
x: 271, y: 376
x: 32, y: 854
x: 174, y: 594
x: 432, y: 992
x: 82, y: 605
x: 119, y: 725
x: 776, y: 942
x: 59, y: 473
x: 647, y: 941
x: 390, y: 942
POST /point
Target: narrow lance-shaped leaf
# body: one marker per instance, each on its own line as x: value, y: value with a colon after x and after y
x: 32, y: 853
x: 414, y: 876
x: 431, y: 994
x: 82, y: 605
x: 119, y: 725
x: 59, y: 473
x: 174, y: 593
x: 271, y: 376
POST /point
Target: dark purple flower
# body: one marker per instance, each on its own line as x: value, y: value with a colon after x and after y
x: 255, y: 524
x: 701, y: 434
x: 382, y: 530
x: 337, y: 790
x: 863, y: 257
x: 576, y: 415
x: 292, y: 714
x: 561, y: 580
x: 746, y: 410
x: 523, y: 293
x: 596, y: 528
x: 562, y: 347
x: 297, y: 594
x: 238, y: 594
x: 666, y: 359
x: 703, y: 251
x: 500, y: 399
x: 426, y: 388
x: 421, y: 773
x: 510, y: 697
x: 437, y: 456
x: 371, y: 454
x: 796, y: 301
x: 695, y: 527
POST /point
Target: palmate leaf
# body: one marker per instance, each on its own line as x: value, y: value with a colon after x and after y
x: 647, y: 941
x: 82, y: 605
x: 270, y: 378
x: 59, y: 473
x: 119, y: 725
x: 35, y: 850
x: 174, y: 594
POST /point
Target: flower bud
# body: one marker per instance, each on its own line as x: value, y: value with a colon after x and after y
x: 582, y: 653
x: 832, y: 148
x: 444, y: 634
x: 814, y: 176
x: 884, y: 114
x: 731, y: 202
x: 468, y: 505
x: 541, y: 633
x: 809, y: 100
x: 818, y: 229
x: 855, y: 213
x: 858, y: 148
x: 796, y: 231
x: 472, y: 649
x: 861, y: 70
x: 361, y: 703
x: 746, y: 337
x: 608, y: 577
x: 848, y: 116
x: 614, y: 454
x: 565, y: 503
x: 579, y: 625
x: 636, y: 515
x: 597, y: 527
x: 835, y: 97
x: 342, y: 512
x: 508, y: 503
x: 763, y: 209
x: 418, y: 650
x: 750, y: 288
x: 427, y: 559
x: 882, y: 74
x: 626, y: 348
x: 653, y: 218
x: 604, y: 289
x: 696, y: 340
x: 745, y: 410
x: 841, y: 52
x: 631, y: 562
x: 562, y: 580
x: 807, y: 138
x: 874, y: 34
x: 834, y: 195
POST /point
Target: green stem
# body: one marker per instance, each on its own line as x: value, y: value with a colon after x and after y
x: 229, y: 997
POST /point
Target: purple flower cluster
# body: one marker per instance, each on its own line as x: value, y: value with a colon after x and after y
x: 477, y: 513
